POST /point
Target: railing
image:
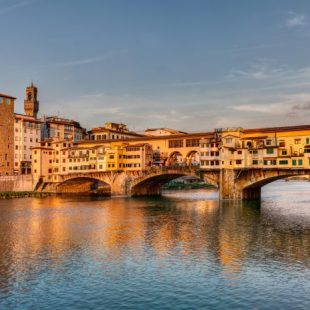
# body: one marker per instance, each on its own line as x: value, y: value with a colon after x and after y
x: 181, y: 168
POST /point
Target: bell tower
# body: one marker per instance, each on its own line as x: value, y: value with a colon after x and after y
x: 31, y: 104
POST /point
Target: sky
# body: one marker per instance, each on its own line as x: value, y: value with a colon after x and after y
x: 192, y: 65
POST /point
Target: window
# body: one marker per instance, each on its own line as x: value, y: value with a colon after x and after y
x: 283, y: 162
x: 307, y: 140
x: 299, y: 162
x: 284, y: 152
x: 192, y: 142
x: 240, y: 152
x: 294, y: 162
x: 268, y: 142
x: 175, y: 143
x: 269, y: 151
x: 282, y: 143
x: 297, y: 141
x: 228, y: 140
x: 238, y: 162
x: 255, y: 162
x: 270, y: 162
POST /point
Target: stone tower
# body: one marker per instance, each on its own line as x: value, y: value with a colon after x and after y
x: 31, y: 104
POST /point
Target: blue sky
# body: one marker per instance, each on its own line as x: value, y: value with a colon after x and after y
x: 193, y: 65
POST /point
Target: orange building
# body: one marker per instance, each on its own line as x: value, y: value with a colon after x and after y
x: 6, y: 134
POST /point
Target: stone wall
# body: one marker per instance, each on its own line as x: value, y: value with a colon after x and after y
x: 16, y: 183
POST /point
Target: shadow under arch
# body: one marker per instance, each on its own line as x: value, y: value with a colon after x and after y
x: 152, y: 185
x: 84, y: 185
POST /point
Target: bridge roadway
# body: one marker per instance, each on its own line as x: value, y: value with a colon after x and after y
x: 235, y: 184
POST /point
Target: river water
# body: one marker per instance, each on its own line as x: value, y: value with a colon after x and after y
x: 184, y: 250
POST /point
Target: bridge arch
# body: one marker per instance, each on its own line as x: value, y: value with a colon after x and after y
x: 251, y: 188
x: 84, y: 185
x: 151, y: 184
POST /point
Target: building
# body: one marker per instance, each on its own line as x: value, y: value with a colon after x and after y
x: 6, y: 134
x: 138, y: 156
x: 112, y: 131
x: 59, y: 128
x: 262, y: 148
x: 56, y: 158
x: 155, y: 132
x: 31, y: 103
x: 27, y: 132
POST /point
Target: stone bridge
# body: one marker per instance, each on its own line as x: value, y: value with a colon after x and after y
x: 233, y: 184
x: 247, y: 183
x: 116, y: 183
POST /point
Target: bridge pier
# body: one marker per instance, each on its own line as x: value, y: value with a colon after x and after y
x: 232, y: 183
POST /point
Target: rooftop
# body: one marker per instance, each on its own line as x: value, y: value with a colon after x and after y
x: 7, y: 96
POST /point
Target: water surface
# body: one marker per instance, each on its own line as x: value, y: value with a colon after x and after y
x: 181, y: 251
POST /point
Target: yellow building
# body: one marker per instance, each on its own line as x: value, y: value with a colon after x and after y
x: 279, y: 147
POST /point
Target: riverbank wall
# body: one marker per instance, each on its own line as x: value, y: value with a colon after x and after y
x: 17, y: 183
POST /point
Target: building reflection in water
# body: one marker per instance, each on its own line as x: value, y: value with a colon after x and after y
x: 39, y: 234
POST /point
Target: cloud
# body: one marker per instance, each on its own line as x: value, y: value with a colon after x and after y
x: 262, y: 69
x: 290, y: 105
x: 295, y: 20
x: 84, y: 61
x: 302, y: 107
x: 274, y: 108
x: 15, y: 6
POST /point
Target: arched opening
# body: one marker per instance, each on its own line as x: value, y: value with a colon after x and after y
x: 84, y: 186
x: 254, y: 190
x: 154, y: 185
x: 175, y: 159
x: 193, y: 159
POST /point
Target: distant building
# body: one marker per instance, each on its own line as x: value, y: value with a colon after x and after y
x: 59, y: 128
x: 112, y: 131
x: 27, y: 132
x: 155, y: 132
x: 6, y: 134
x: 31, y: 104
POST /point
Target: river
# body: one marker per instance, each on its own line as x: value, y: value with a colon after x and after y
x: 184, y: 250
